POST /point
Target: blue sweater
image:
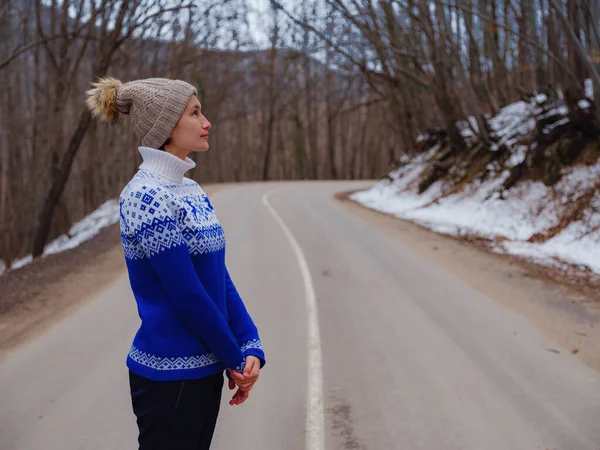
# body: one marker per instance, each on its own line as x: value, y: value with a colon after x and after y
x: 193, y: 321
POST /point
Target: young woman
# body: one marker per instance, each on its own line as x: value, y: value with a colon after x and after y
x: 194, y: 325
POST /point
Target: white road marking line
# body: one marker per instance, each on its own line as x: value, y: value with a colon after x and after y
x: 315, y: 420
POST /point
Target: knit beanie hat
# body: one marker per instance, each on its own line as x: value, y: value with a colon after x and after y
x: 154, y: 104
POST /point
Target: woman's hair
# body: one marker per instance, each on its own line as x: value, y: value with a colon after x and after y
x: 167, y: 142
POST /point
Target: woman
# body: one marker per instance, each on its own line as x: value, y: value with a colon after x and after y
x: 194, y: 325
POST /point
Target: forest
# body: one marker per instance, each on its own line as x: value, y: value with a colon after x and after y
x: 319, y: 89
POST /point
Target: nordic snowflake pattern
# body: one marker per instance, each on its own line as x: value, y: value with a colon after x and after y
x: 171, y: 363
x: 254, y: 343
x: 154, y: 219
x: 163, y: 218
x: 182, y: 362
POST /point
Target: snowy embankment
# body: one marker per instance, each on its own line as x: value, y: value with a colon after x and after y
x: 107, y: 214
x: 529, y: 220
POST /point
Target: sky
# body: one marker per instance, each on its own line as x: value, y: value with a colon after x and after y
x: 258, y: 9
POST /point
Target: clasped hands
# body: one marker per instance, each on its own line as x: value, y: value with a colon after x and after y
x: 244, y: 381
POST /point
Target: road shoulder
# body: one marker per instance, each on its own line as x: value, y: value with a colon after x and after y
x: 568, y: 314
x: 42, y: 293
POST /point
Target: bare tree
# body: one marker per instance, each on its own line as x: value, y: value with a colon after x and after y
x: 119, y: 23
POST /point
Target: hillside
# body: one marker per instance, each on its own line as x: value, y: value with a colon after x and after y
x: 533, y: 193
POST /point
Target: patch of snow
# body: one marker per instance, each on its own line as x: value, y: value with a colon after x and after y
x: 473, y: 212
x: 589, y: 88
x: 574, y: 246
x: 473, y: 124
x: 514, y: 120
x: 583, y: 104
x: 559, y: 110
x: 558, y: 123
x: 527, y: 209
x: 106, y: 215
x: 467, y: 132
x: 541, y: 98
x: 569, y: 246
x: 507, y: 218
x: 518, y: 156
x: 17, y: 264
x: 404, y: 159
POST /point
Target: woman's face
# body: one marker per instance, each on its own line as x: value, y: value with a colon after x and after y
x: 191, y: 132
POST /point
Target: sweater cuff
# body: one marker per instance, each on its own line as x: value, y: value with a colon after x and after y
x: 254, y: 348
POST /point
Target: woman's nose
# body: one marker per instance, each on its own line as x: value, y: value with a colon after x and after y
x: 206, y: 124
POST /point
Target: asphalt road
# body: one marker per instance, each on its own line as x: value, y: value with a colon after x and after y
x: 369, y: 346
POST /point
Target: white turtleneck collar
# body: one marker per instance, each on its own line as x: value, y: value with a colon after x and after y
x: 165, y: 164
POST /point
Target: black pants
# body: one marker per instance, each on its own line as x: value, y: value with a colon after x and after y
x: 176, y: 415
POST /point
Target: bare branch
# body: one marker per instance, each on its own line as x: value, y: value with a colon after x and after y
x: 361, y: 65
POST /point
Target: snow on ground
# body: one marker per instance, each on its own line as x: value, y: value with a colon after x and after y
x: 516, y: 117
x: 583, y: 104
x: 589, y: 88
x: 517, y: 156
x: 527, y: 209
x: 106, y: 215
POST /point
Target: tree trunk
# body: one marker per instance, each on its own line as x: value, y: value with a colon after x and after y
x: 574, y: 40
x: 60, y: 176
x: 59, y: 182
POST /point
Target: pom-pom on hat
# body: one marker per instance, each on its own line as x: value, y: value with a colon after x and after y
x: 154, y: 104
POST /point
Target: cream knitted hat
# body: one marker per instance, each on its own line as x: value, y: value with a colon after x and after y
x: 154, y: 104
